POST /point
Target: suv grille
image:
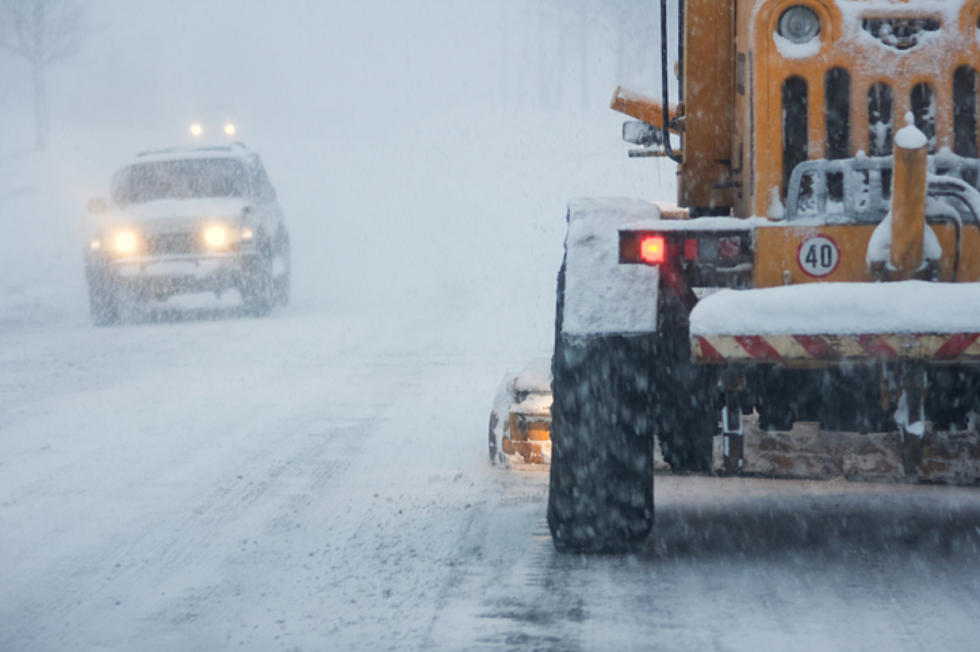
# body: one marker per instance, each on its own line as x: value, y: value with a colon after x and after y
x: 170, y: 244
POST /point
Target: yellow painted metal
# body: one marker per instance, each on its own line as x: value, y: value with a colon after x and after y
x: 777, y: 249
x: 734, y: 72
x: 639, y: 106
x: 908, y: 209
x: 761, y: 69
x: 704, y: 177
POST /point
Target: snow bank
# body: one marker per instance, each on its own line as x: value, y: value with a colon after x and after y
x: 42, y: 279
x: 841, y: 308
x: 602, y: 296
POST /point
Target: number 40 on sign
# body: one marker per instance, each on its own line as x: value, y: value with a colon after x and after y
x: 818, y: 255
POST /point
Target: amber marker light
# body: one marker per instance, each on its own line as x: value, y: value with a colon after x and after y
x: 652, y: 249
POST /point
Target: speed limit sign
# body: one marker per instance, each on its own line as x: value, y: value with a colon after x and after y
x: 818, y: 256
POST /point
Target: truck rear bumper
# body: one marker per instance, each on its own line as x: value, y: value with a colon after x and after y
x: 824, y: 324
x: 827, y: 348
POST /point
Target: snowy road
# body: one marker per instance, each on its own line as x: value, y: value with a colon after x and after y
x: 319, y: 481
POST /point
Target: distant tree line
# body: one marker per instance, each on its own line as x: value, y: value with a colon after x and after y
x: 571, y: 45
x: 42, y: 32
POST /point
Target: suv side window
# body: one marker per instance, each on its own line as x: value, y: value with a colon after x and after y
x: 261, y: 186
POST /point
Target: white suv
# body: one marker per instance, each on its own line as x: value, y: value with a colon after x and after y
x: 188, y: 220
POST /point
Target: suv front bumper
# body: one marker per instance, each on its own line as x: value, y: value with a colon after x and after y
x: 160, y: 277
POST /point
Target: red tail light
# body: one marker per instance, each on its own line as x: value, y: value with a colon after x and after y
x: 691, y: 249
x: 652, y: 249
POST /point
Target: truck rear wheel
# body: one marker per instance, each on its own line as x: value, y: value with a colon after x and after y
x: 283, y: 270
x: 600, y: 495
x: 686, y: 411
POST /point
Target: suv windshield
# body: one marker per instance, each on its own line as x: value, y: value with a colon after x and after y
x: 214, y: 177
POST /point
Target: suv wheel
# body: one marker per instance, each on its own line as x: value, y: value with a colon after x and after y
x: 257, y: 287
x: 283, y: 271
x: 103, y: 302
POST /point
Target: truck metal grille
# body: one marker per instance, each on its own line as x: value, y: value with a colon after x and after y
x: 866, y: 190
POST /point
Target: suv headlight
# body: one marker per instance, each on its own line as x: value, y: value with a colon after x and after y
x: 217, y: 236
x: 125, y: 242
x: 799, y: 24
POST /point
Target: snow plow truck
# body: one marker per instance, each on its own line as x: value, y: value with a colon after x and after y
x: 826, y: 267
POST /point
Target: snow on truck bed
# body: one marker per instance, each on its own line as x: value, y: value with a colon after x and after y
x: 841, y: 309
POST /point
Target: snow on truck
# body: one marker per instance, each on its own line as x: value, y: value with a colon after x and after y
x: 183, y: 221
x: 826, y: 267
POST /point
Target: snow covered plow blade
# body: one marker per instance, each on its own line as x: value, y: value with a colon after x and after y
x: 863, y: 356
x: 820, y: 325
x: 816, y: 349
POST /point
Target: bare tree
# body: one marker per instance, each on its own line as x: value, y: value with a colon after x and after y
x: 42, y: 32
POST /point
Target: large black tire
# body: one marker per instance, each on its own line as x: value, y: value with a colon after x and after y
x: 600, y: 495
x: 686, y: 410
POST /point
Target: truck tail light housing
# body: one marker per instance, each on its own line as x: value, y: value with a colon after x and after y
x: 691, y: 249
x: 698, y: 256
x: 653, y: 249
x: 684, y: 249
x: 644, y: 248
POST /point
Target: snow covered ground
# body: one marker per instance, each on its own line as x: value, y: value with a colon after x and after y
x: 319, y: 479
x: 314, y: 481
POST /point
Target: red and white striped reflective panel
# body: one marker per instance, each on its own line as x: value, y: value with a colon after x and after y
x: 777, y: 348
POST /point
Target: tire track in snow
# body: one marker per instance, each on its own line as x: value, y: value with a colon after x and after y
x: 506, y: 595
x: 176, y: 557
x: 733, y: 565
x: 188, y: 552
